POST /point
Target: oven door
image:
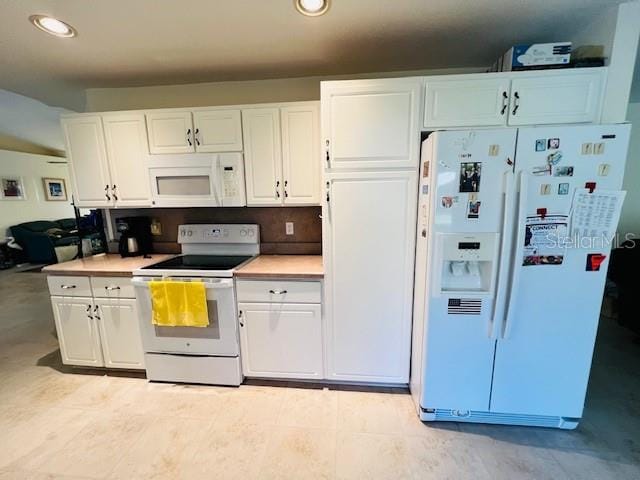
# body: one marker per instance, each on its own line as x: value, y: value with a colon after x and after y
x: 185, y: 186
x: 220, y: 338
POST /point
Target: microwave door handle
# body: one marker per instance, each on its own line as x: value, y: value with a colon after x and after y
x: 216, y: 180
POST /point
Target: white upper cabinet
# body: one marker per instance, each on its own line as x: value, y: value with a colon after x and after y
x: 572, y: 96
x: 127, y: 152
x: 301, y: 154
x: 371, y: 124
x: 514, y: 98
x: 90, y: 177
x: 462, y: 103
x: 217, y: 130
x: 262, y: 156
x: 170, y: 131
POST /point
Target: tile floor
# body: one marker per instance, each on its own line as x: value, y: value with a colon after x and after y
x: 64, y: 424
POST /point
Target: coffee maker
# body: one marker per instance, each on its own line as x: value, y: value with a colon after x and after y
x: 135, y: 236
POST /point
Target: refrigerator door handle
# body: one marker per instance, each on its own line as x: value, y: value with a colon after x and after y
x: 517, y: 257
x: 506, y: 247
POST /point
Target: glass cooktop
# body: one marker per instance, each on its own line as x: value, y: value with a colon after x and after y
x: 200, y: 262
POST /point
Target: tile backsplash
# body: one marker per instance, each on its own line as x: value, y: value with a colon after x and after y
x: 306, y: 240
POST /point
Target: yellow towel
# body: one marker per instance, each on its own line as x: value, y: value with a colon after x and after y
x: 179, y: 304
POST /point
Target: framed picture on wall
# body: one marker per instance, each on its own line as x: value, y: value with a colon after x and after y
x: 11, y: 188
x: 55, y: 189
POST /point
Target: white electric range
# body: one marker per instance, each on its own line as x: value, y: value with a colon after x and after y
x: 209, y: 355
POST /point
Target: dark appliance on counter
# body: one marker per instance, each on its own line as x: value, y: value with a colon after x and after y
x: 135, y: 236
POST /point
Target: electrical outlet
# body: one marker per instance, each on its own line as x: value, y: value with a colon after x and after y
x: 288, y: 228
x: 156, y: 227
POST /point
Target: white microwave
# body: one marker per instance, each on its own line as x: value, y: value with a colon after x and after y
x: 197, y: 180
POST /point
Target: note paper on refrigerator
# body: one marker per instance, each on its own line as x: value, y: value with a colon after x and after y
x: 596, y: 214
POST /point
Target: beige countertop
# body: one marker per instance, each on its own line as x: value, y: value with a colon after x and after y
x: 108, y: 265
x: 283, y: 266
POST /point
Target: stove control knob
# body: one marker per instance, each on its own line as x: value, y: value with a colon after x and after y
x: 252, y: 232
x: 189, y: 233
x: 243, y: 233
x: 182, y: 233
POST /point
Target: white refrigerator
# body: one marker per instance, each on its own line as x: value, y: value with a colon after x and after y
x: 513, y: 241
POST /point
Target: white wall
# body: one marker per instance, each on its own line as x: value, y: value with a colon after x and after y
x: 30, y: 126
x: 32, y: 168
x: 630, y: 219
x: 228, y: 93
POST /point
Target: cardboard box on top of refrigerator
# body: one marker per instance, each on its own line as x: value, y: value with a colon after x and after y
x: 534, y: 56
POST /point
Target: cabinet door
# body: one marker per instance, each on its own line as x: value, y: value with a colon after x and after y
x: 371, y: 124
x: 369, y: 239
x: 120, y: 333
x: 470, y: 101
x: 301, y: 154
x: 217, y: 130
x: 127, y: 151
x: 262, y: 156
x: 281, y: 340
x: 87, y: 156
x: 564, y: 97
x: 170, y: 132
x: 77, y: 331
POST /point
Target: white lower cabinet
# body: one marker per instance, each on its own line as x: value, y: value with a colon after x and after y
x: 100, y: 330
x: 119, y: 333
x: 281, y: 328
x: 77, y: 331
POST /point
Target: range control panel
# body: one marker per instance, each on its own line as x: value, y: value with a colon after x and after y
x: 219, y: 233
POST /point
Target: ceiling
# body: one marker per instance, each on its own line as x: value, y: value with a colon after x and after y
x: 154, y: 42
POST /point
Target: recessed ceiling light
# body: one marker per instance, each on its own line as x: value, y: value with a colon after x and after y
x: 53, y: 26
x: 312, y: 8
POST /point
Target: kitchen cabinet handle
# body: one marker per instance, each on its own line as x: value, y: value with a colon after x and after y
x: 189, y: 137
x: 505, y: 101
x: 113, y: 192
x: 196, y: 136
x: 240, y: 318
x: 277, y: 292
x: 106, y: 192
x: 516, y: 103
x: 88, y: 308
x: 109, y: 288
x: 327, y: 152
x: 67, y: 287
x: 277, y: 188
x: 96, y: 312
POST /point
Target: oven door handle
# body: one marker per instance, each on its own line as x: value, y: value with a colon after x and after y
x: 220, y: 284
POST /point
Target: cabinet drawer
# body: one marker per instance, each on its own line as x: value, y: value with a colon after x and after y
x: 283, y: 291
x: 69, y: 286
x: 112, y: 287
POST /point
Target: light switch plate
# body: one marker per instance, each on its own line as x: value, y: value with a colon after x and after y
x: 545, y: 189
x: 587, y: 148
x: 288, y: 226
